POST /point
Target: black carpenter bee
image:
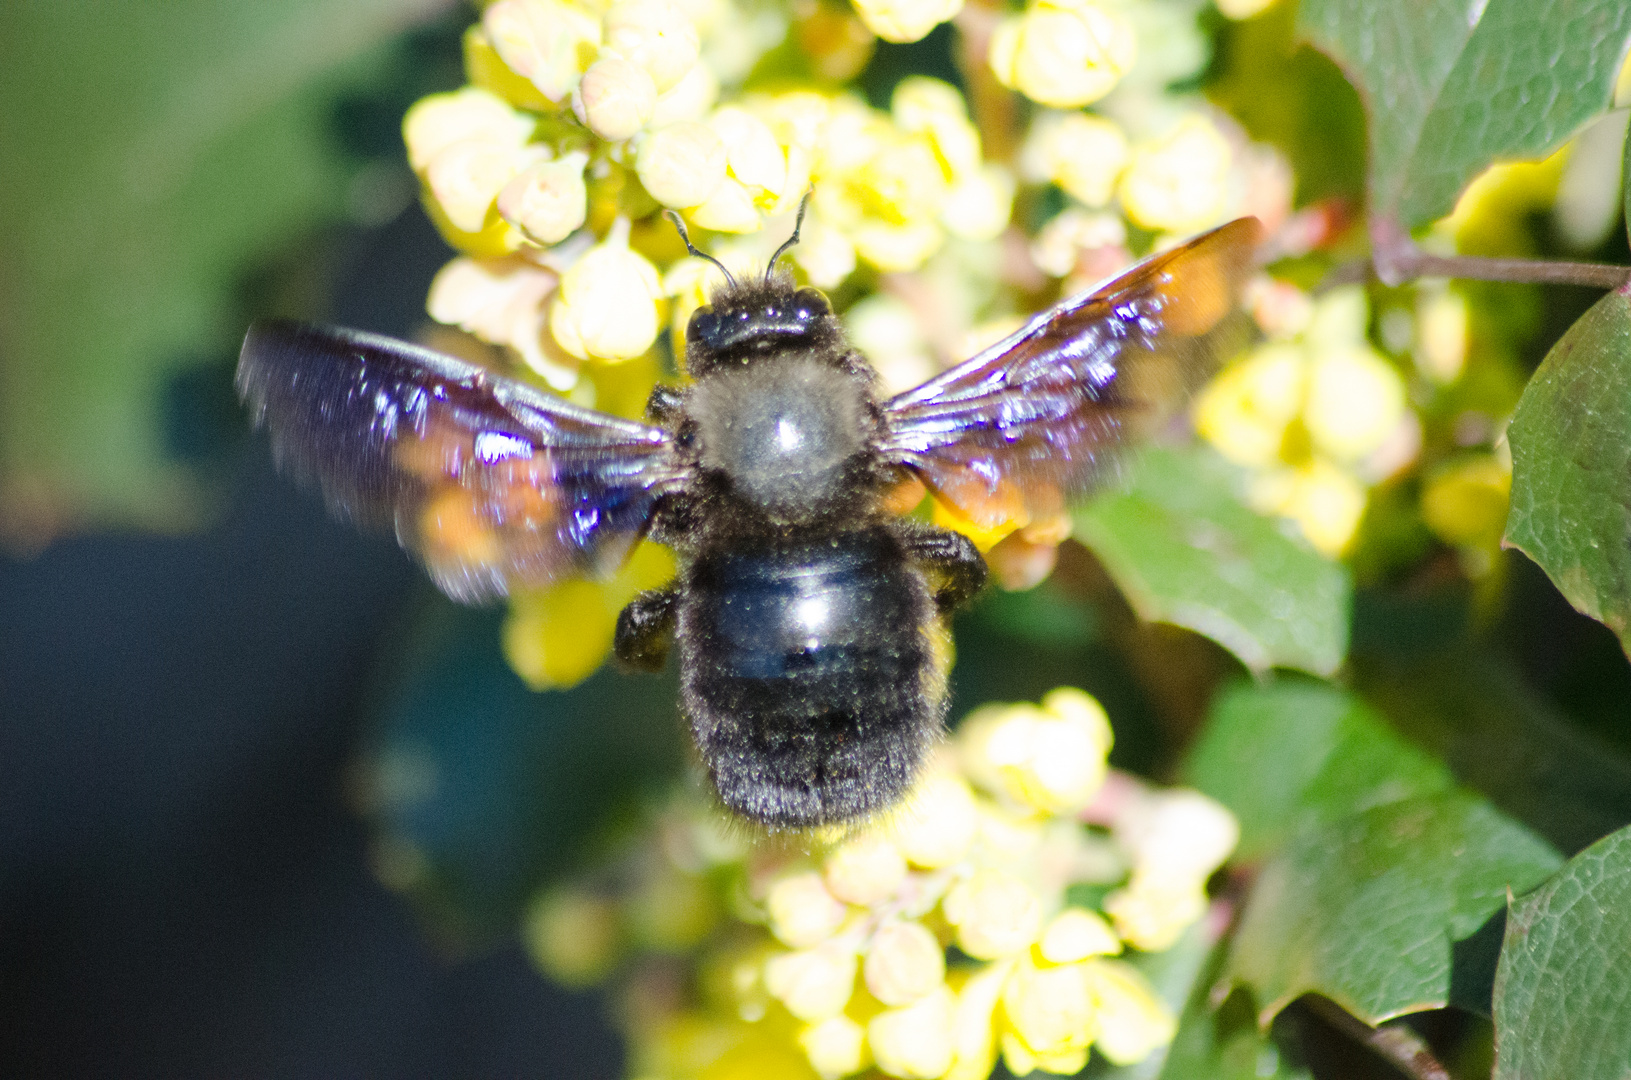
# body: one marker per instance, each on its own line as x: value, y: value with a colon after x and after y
x: 804, y: 612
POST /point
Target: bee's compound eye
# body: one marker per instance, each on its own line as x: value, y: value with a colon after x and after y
x: 810, y: 304
x: 704, y: 325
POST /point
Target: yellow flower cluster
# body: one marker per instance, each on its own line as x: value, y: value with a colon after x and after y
x: 582, y: 120
x: 1316, y: 413
x: 829, y: 962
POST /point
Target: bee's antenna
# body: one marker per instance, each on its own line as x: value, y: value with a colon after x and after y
x: 679, y: 223
x: 798, y: 224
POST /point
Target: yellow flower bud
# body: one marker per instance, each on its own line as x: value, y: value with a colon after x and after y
x: 1465, y: 503
x: 501, y: 301
x: 1051, y: 758
x: 1179, y: 183
x: 915, y: 1041
x: 1050, y: 1009
x: 1063, y: 53
x: 572, y: 934
x: 436, y: 122
x: 615, y: 98
x: 1355, y: 400
x: 607, y: 304
x: 866, y: 870
x: 754, y: 157
x: 688, y: 99
x: 814, y: 983
x: 1324, y: 501
x: 1082, y: 154
x: 979, y: 205
x: 556, y: 637
x: 974, y: 1048
x: 921, y: 105
x: 903, y: 963
x: 905, y: 20
x: 548, y: 201
x: 1244, y: 412
x: 487, y: 70
x: 802, y: 912
x: 897, y: 248
x: 826, y: 255
x: 681, y: 165
x: 547, y: 42
x: 1132, y: 1020
x: 836, y: 1047
x: 1177, y: 832
x: 655, y: 34
x: 1067, y: 235
x: 995, y: 913
x: 729, y: 209
x: 466, y: 177
x: 936, y: 825
x: 903, y: 182
x: 1076, y: 934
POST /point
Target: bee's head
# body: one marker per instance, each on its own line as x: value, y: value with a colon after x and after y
x: 747, y: 320
x: 753, y: 319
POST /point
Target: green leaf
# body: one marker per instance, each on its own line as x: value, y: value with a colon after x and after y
x: 1562, y: 995
x: 1571, y: 465
x: 1501, y: 738
x: 1453, y: 85
x: 148, y: 153
x: 1364, y: 910
x: 1293, y: 752
x: 1185, y: 550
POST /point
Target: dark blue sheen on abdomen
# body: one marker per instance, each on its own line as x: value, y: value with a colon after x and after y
x: 807, y: 675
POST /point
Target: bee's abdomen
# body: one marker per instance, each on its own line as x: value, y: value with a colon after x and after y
x: 808, y: 676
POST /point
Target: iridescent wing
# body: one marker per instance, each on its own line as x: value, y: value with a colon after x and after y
x: 1025, y: 428
x: 491, y: 483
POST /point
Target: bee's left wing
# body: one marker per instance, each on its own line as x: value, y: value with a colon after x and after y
x: 1025, y: 428
x: 489, y: 482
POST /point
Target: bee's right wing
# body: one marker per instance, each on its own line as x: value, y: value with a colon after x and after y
x: 492, y: 484
x: 1027, y: 427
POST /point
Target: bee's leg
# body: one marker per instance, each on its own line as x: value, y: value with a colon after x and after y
x: 645, y: 629
x: 957, y: 570
x: 664, y: 404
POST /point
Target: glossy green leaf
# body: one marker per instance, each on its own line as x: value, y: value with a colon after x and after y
x: 1571, y: 465
x: 1364, y: 910
x: 149, y: 152
x: 1454, y: 85
x: 1502, y: 738
x: 1563, y: 988
x: 1293, y: 752
x: 1185, y: 550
